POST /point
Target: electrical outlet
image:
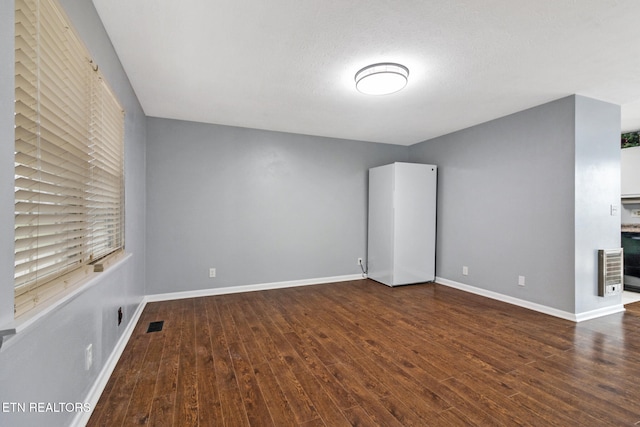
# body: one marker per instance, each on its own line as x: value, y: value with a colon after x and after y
x: 212, y: 272
x: 465, y: 270
x: 521, y: 281
x: 88, y: 357
x: 359, y: 261
x: 612, y: 290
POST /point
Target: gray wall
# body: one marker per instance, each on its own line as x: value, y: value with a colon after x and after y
x: 597, y: 169
x: 45, y: 363
x: 7, y: 94
x: 524, y: 195
x: 258, y: 206
x: 518, y: 196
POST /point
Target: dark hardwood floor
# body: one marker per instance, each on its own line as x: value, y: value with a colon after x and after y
x: 359, y: 353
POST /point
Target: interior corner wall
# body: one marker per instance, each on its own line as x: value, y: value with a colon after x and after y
x: 597, y: 178
x: 259, y: 206
x: 506, y: 204
x: 7, y: 151
x: 45, y: 362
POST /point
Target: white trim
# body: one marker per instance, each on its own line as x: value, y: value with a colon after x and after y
x: 82, y: 418
x: 28, y: 321
x: 250, y: 288
x: 605, y: 311
x: 532, y: 305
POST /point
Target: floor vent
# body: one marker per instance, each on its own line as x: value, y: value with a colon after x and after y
x: 155, y: 326
x: 610, y: 272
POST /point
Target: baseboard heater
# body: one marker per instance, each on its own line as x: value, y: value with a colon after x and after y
x: 610, y: 272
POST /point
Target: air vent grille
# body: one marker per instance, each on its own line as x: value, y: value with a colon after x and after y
x: 610, y: 272
x: 155, y: 326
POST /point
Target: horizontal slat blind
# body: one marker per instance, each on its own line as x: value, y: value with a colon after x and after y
x: 69, y: 131
x: 105, y: 200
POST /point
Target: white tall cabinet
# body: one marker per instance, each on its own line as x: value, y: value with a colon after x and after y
x: 402, y: 223
x: 630, y: 171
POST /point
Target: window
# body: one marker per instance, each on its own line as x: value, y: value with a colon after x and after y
x: 69, y: 131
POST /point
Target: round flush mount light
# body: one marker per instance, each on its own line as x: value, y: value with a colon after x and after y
x: 381, y: 79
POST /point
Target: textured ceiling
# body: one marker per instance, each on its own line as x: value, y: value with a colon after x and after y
x: 288, y: 65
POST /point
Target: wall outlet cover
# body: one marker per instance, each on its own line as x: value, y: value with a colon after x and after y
x: 613, y: 289
x: 88, y: 357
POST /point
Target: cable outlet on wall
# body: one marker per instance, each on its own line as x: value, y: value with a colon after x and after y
x: 465, y: 270
x: 359, y: 261
x: 212, y: 272
x: 521, y: 281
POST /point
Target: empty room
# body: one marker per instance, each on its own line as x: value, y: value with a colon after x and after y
x: 357, y: 213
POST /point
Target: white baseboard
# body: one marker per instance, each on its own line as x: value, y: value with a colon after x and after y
x: 593, y: 314
x: 82, y: 418
x: 579, y: 317
x: 250, y: 288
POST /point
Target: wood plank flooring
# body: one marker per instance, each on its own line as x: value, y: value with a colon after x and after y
x: 362, y: 354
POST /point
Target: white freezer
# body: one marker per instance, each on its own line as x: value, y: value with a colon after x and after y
x: 402, y: 223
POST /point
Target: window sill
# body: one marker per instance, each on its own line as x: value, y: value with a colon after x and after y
x: 23, y: 324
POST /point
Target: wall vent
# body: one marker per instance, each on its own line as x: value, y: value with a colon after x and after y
x: 610, y: 272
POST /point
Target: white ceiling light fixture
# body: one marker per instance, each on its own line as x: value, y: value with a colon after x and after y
x: 381, y: 79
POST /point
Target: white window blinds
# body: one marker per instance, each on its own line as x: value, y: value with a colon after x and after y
x: 69, y: 131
